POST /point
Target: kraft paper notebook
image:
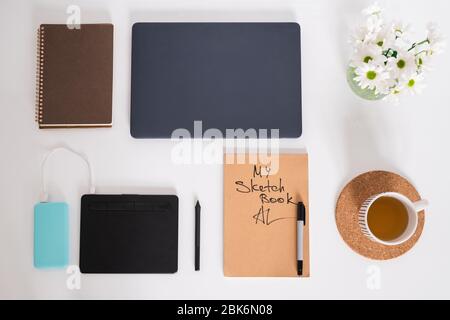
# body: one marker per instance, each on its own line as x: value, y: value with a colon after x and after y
x: 74, y: 76
x: 260, y: 225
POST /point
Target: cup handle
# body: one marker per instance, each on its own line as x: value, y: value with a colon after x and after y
x: 420, y: 205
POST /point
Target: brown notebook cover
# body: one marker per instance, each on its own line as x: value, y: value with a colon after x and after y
x: 260, y: 217
x: 74, y: 76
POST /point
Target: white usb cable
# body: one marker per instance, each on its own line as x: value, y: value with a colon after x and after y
x: 44, y: 194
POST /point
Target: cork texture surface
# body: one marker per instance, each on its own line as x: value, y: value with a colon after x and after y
x: 351, y: 199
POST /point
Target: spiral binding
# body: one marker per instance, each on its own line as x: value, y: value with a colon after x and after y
x: 40, y: 76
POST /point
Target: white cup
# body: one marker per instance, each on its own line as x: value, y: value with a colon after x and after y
x: 413, y: 208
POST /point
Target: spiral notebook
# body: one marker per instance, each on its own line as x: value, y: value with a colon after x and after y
x: 74, y: 76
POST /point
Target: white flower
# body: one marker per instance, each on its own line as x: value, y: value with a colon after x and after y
x: 394, y: 96
x: 386, y: 61
x: 372, y: 76
x: 385, y: 38
x: 403, y: 65
x: 361, y: 35
x: 367, y: 32
x: 401, y: 29
x: 374, y: 23
x: 374, y: 20
x: 413, y: 84
x: 396, y: 91
x: 374, y: 9
x: 424, y: 61
x: 435, y: 39
x: 384, y: 87
x: 365, y: 53
x: 402, y: 33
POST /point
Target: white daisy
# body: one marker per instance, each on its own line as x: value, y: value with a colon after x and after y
x: 401, y: 29
x: 374, y: 9
x: 413, y: 84
x: 361, y: 35
x: 385, y: 38
x: 365, y: 53
x: 384, y: 87
x: 385, y: 61
x: 394, y: 96
x: 374, y: 23
x: 403, y: 65
x: 424, y: 61
x: 436, y: 41
x: 402, y: 33
x: 371, y: 76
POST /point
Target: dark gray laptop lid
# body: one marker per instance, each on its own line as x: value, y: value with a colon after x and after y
x: 227, y: 75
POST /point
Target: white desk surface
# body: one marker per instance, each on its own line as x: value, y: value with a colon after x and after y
x: 344, y: 136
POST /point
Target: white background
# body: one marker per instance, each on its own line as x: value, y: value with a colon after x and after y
x: 344, y: 136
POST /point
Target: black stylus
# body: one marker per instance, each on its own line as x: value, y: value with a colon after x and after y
x: 197, y: 236
x: 301, y: 218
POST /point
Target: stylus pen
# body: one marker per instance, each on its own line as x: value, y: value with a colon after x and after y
x: 301, y: 218
x: 197, y: 236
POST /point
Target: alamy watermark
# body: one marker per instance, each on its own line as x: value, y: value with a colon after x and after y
x: 73, y: 20
x: 73, y: 281
x: 238, y: 146
x: 373, y: 280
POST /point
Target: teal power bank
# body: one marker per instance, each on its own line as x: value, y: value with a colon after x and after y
x: 51, y: 235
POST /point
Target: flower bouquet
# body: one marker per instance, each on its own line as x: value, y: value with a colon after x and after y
x: 385, y: 63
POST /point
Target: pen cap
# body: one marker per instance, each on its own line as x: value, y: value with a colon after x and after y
x: 301, y: 212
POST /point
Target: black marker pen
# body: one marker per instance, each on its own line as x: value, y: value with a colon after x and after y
x: 301, y: 218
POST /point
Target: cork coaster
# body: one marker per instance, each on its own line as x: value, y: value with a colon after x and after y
x: 351, y: 199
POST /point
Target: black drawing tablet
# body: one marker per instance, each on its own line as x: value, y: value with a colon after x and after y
x: 227, y: 75
x: 129, y: 234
